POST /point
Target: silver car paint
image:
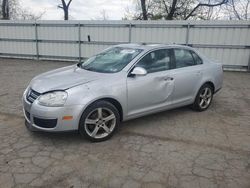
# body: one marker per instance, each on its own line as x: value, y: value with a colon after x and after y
x: 138, y: 96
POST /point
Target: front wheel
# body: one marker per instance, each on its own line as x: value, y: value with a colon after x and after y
x: 203, y: 98
x: 99, y: 121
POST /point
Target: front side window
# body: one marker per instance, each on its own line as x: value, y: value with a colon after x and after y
x: 183, y: 58
x: 155, y: 61
x: 111, y: 61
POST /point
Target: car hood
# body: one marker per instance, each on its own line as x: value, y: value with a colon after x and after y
x: 63, y: 78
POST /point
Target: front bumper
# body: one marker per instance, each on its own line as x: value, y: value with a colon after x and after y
x: 50, y: 119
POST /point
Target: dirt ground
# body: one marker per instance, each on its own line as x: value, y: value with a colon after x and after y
x: 178, y: 148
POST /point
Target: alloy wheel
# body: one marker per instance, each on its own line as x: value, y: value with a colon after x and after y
x: 205, y: 97
x: 100, y: 123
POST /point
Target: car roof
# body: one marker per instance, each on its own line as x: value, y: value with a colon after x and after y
x: 146, y: 46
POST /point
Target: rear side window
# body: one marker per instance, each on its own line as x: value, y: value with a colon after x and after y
x: 197, y: 59
x: 183, y: 58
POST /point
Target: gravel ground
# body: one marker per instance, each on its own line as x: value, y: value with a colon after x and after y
x: 177, y: 148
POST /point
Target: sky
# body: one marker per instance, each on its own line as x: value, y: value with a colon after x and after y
x: 79, y: 9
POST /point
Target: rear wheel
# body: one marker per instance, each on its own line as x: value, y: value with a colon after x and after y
x: 203, y: 98
x: 99, y: 121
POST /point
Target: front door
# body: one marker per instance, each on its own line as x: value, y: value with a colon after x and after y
x: 154, y: 90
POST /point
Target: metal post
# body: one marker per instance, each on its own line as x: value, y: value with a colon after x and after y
x: 248, y: 68
x: 129, y: 34
x: 187, y: 34
x: 79, y: 42
x: 36, y: 40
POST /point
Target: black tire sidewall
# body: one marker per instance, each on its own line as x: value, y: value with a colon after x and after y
x: 89, y: 109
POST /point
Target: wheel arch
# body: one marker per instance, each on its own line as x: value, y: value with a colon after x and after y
x: 116, y: 103
x: 203, y: 83
x: 194, y: 105
x: 209, y: 83
x: 111, y: 100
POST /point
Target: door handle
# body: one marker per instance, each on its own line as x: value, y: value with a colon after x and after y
x: 168, y: 78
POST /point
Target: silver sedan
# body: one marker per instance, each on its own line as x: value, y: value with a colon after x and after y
x: 121, y: 83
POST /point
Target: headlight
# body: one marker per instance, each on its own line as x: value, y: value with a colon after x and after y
x: 55, y: 98
x: 26, y: 90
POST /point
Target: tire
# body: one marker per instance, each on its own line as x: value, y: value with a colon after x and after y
x: 99, y: 121
x: 205, y: 94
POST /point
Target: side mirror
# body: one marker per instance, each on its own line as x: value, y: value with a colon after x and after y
x: 79, y: 64
x: 139, y: 71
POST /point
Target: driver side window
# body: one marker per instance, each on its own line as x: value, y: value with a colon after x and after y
x: 156, y: 61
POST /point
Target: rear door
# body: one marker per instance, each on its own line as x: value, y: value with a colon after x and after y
x: 154, y: 90
x: 187, y: 75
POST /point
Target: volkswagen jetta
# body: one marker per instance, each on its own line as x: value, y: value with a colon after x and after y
x: 121, y: 83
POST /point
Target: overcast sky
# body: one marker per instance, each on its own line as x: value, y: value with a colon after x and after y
x: 80, y: 9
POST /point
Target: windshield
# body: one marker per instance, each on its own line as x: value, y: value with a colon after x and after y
x: 111, y: 61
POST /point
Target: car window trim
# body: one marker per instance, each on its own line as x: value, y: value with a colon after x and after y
x: 195, y: 63
x: 190, y: 51
x: 193, y: 52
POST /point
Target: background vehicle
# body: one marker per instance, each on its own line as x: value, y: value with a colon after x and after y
x: 123, y: 82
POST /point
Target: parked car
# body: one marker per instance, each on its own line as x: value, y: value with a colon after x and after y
x: 123, y: 82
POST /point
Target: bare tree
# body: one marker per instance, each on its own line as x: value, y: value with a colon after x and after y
x: 144, y: 11
x: 11, y: 9
x: 102, y: 15
x: 192, y: 13
x: 65, y: 7
x: 177, y: 9
x: 24, y: 14
x: 5, y: 10
x: 171, y: 10
x: 238, y: 9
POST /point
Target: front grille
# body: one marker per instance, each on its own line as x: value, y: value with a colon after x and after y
x: 27, y: 115
x: 45, y: 123
x: 32, y: 95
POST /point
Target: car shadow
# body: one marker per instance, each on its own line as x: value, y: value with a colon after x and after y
x: 141, y: 123
x: 74, y: 136
x: 164, y: 115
